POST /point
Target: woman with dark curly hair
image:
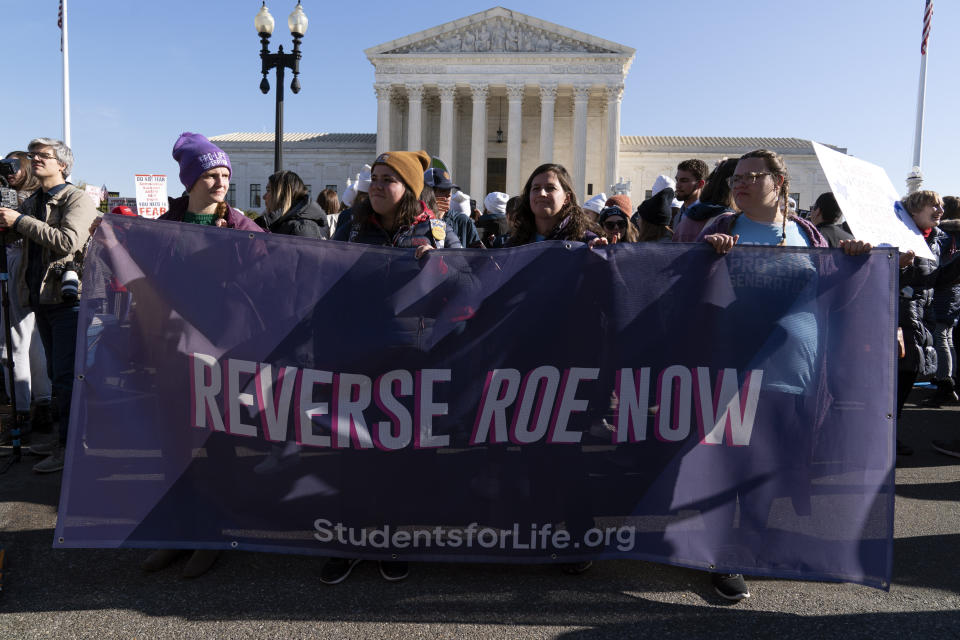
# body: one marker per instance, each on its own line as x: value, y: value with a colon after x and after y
x: 549, y: 209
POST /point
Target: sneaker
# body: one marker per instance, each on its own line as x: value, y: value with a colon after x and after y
x: 948, y: 447
x: 43, y: 448
x: 904, y: 449
x: 731, y: 586
x: 52, y: 463
x: 336, y: 570
x: 576, y: 568
x: 394, y: 571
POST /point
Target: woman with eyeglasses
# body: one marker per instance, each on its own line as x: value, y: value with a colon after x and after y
x: 790, y: 354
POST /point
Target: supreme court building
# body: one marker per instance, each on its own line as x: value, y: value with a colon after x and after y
x: 494, y: 95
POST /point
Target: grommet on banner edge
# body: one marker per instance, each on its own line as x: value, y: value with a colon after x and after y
x: 394, y: 556
x: 250, y: 236
x: 553, y: 556
x: 234, y: 544
x: 60, y: 540
x: 79, y: 376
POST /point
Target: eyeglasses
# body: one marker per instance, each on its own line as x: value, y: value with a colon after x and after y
x: 33, y: 155
x: 615, y: 225
x: 746, y: 178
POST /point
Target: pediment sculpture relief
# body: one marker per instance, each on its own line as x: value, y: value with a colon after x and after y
x: 500, y: 36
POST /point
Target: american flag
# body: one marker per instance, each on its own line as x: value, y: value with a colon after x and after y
x: 60, y: 22
x: 927, y: 18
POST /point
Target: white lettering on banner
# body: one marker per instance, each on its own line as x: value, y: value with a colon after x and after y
x: 532, y: 537
x: 331, y: 409
x: 726, y: 412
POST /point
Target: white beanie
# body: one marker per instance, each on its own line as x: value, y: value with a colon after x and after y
x: 460, y: 201
x: 661, y: 183
x: 596, y: 203
x: 496, y: 202
x: 363, y: 179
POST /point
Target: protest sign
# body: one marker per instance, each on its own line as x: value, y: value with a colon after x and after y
x: 536, y: 404
x: 151, y: 195
x: 867, y: 198
x: 94, y: 193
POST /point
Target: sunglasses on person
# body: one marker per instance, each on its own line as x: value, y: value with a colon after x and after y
x: 615, y: 225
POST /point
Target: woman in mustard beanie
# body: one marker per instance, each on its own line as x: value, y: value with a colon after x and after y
x: 394, y: 215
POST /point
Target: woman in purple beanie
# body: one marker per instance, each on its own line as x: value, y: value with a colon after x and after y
x: 205, y: 173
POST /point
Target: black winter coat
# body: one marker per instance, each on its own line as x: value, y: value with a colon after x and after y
x: 916, y: 296
x: 946, y: 298
x: 305, y: 218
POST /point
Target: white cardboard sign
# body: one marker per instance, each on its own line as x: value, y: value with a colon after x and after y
x: 151, y: 195
x: 869, y: 202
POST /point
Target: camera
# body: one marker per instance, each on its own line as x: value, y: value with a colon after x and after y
x: 8, y: 197
x: 69, y: 281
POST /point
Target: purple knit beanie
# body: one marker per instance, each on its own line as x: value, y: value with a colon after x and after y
x: 196, y: 154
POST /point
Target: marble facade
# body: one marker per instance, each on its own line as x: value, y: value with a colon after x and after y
x: 494, y: 95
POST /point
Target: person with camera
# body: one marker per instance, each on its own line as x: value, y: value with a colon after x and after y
x: 54, y: 223
x: 30, y: 381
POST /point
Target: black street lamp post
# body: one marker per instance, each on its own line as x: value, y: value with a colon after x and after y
x: 280, y: 61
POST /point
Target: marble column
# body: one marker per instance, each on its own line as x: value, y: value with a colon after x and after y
x: 614, y: 96
x: 581, y: 97
x: 514, y: 138
x: 415, y: 117
x: 447, y: 92
x: 383, y: 91
x: 548, y: 102
x: 478, y: 142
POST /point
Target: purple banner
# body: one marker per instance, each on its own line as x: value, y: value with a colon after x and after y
x: 548, y: 403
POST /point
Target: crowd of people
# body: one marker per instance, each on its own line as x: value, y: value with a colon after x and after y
x: 401, y: 200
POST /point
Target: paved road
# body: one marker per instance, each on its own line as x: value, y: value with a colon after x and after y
x: 103, y: 594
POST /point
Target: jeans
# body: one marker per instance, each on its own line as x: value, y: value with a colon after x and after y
x: 946, y: 354
x: 30, y: 363
x: 58, y: 332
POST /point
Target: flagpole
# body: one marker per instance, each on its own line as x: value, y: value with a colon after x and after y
x: 915, y: 177
x: 66, y: 75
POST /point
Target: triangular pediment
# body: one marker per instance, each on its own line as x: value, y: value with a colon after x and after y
x: 499, y: 31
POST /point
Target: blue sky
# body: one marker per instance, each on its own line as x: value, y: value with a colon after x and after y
x: 839, y: 72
